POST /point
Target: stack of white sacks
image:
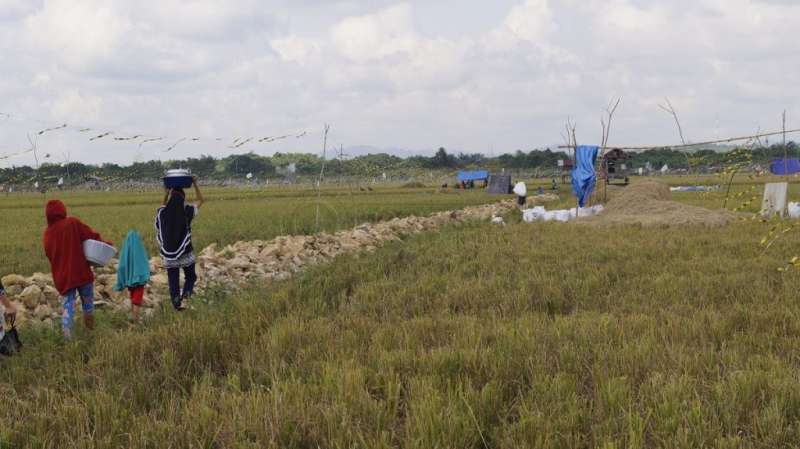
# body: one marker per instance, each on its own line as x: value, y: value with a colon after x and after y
x: 539, y: 213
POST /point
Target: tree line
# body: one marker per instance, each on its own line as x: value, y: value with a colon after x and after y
x: 303, y: 164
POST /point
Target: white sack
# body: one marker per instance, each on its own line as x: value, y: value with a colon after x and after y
x: 520, y: 189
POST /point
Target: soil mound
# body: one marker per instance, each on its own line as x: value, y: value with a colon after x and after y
x: 649, y: 204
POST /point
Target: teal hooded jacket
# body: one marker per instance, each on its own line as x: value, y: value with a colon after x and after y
x: 134, y: 263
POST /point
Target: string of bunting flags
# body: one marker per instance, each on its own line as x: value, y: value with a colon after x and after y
x: 98, y: 134
x: 19, y: 153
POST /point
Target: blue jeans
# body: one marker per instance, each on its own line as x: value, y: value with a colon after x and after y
x: 68, y: 306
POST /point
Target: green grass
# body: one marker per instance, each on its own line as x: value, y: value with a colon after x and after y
x: 228, y: 216
x: 532, y: 335
x: 231, y: 215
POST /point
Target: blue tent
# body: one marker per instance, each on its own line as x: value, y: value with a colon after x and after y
x: 478, y: 175
x: 790, y: 167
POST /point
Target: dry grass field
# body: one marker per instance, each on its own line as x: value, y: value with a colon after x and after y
x: 544, y: 335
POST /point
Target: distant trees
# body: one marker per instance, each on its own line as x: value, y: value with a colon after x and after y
x: 707, y: 157
x: 470, y: 159
x: 305, y: 164
x: 658, y: 158
x: 204, y: 166
x: 535, y: 158
x: 242, y: 164
x: 370, y: 165
x: 443, y: 160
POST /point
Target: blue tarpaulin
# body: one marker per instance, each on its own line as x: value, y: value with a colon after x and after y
x: 583, y: 176
x: 778, y: 167
x: 478, y: 175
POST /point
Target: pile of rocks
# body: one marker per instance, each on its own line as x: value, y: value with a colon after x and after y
x: 277, y: 259
x: 34, y: 297
x: 36, y: 300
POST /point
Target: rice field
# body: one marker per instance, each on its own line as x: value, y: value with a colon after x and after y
x: 543, y: 335
x: 229, y: 215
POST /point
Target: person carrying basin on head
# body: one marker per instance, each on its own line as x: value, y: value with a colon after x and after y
x: 174, y: 234
x: 72, y: 275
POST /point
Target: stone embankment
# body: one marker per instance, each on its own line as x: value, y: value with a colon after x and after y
x: 38, y: 301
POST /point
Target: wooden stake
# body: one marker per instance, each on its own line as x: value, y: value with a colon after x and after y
x: 322, y: 171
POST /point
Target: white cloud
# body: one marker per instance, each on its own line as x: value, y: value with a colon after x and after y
x: 14, y: 9
x: 76, y: 33
x: 294, y: 48
x: 375, y: 36
x: 416, y: 74
x: 431, y: 64
x: 531, y: 21
x: 74, y: 106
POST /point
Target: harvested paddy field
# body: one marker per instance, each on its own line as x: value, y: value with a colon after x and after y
x: 516, y: 336
x: 476, y: 335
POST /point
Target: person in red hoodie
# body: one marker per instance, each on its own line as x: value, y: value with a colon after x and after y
x: 72, y: 275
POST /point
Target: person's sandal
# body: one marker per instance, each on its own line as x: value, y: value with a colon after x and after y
x: 184, y: 302
x: 181, y: 306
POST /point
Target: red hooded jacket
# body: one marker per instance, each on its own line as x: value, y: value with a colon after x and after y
x: 63, y: 244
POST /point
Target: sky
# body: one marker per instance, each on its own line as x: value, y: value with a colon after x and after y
x: 408, y: 77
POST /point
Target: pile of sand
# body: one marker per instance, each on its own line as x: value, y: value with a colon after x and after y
x: 648, y: 204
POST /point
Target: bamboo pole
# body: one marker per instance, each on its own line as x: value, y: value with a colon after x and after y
x: 785, y: 152
x: 690, y: 145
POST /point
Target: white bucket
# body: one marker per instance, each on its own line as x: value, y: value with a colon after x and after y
x: 97, y: 253
x: 794, y: 210
x: 520, y: 189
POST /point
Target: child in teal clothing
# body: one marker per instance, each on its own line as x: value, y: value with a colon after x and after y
x: 133, y: 272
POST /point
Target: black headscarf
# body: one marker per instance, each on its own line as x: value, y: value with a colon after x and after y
x: 173, y: 229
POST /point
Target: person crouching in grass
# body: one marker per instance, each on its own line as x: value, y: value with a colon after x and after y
x: 9, y: 312
x: 72, y: 275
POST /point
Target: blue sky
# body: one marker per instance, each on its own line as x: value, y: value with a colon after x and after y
x: 467, y: 75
